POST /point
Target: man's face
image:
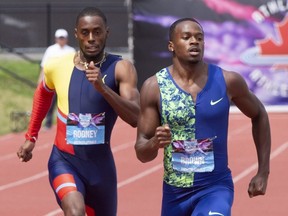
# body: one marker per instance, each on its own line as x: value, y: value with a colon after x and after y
x: 188, y: 41
x: 62, y: 41
x: 92, y: 34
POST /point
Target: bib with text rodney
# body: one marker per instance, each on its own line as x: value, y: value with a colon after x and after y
x: 86, y: 129
x: 193, y: 155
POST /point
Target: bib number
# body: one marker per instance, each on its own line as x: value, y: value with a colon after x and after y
x: 86, y: 129
x: 193, y: 155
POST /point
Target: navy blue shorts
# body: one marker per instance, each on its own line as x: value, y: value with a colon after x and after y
x: 217, y: 199
x: 95, y: 180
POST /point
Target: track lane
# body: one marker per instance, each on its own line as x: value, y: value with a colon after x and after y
x: 140, y: 185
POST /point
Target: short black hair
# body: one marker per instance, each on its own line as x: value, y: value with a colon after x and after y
x: 173, y: 25
x: 91, y: 11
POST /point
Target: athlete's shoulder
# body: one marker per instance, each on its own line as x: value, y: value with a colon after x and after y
x: 162, y: 73
x: 150, y: 83
x: 113, y: 57
x: 149, y: 93
x: 163, y: 70
x: 232, y: 77
x: 61, y: 64
x: 214, y: 67
x: 65, y: 59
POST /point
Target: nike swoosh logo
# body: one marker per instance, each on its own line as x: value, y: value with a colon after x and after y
x: 215, y: 213
x: 103, y: 78
x: 215, y: 102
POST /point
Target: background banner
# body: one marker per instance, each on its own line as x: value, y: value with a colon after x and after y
x: 248, y: 37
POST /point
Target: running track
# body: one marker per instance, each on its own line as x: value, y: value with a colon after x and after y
x: 25, y: 190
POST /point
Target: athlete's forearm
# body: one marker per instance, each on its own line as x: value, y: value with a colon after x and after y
x: 128, y: 110
x: 146, y: 150
x: 262, y: 138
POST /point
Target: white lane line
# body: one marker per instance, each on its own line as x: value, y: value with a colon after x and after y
x: 54, y: 213
x: 42, y: 174
x: 24, y: 181
x: 14, y: 155
x: 238, y: 130
x: 139, y: 176
x: 122, y: 147
x: 48, y: 145
x: 6, y: 137
x: 254, y: 166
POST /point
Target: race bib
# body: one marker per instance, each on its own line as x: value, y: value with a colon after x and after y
x: 193, y: 155
x: 86, y: 129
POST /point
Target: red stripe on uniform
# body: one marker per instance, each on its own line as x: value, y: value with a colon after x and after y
x: 63, y: 191
x: 90, y: 211
x: 60, y: 139
x: 62, y: 179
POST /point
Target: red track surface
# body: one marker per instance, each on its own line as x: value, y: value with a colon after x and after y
x: 25, y: 190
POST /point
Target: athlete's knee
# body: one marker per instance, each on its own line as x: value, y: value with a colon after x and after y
x: 73, y: 204
x: 74, y: 211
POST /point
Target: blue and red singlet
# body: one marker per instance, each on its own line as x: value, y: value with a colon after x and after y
x: 81, y: 158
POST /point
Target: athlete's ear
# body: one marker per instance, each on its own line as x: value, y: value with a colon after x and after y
x: 170, y: 46
x: 107, y: 31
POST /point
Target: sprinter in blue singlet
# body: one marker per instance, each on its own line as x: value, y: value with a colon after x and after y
x: 185, y: 110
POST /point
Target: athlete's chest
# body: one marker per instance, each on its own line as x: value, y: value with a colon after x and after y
x: 207, y: 103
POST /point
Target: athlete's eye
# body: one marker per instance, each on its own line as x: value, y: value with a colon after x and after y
x: 85, y: 32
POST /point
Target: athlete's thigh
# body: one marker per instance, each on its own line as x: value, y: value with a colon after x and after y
x: 63, y: 177
x: 101, y: 193
x: 176, y: 201
x: 217, y: 200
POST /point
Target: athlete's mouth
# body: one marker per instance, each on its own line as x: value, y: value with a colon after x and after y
x: 92, y: 48
x: 194, y: 51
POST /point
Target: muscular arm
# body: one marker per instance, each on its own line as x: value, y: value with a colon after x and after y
x: 150, y: 134
x: 250, y: 105
x: 126, y: 105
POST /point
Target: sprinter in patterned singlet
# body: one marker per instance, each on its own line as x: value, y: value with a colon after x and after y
x: 93, y: 88
x: 184, y: 108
